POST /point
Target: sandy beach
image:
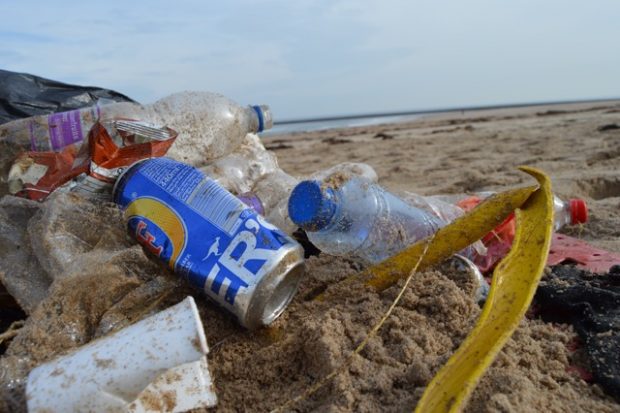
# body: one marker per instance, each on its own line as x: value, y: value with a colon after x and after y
x: 578, y: 145
x: 464, y: 152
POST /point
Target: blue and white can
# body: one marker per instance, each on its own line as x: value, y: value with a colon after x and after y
x: 211, y: 238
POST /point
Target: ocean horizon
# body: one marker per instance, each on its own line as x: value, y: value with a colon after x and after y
x: 349, y: 121
x: 325, y: 124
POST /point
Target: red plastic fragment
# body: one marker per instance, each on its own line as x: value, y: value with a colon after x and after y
x: 565, y: 249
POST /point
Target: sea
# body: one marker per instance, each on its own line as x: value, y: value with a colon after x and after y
x: 284, y: 127
x: 318, y: 124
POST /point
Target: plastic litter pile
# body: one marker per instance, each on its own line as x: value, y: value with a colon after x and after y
x: 191, y: 183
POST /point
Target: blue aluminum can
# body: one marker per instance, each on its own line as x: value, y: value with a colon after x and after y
x: 208, y: 236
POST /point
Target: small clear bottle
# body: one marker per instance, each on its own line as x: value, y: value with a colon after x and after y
x: 566, y: 212
x: 358, y: 217
x: 571, y: 212
x: 496, y: 244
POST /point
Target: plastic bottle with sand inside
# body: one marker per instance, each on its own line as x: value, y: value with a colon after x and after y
x: 210, y: 125
x: 498, y: 242
x: 358, y: 217
x: 449, y: 207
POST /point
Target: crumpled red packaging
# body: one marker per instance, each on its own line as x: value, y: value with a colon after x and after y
x: 111, y: 148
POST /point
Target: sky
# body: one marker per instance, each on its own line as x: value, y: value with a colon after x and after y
x: 313, y: 58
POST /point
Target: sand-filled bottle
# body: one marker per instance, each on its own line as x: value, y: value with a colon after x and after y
x: 498, y: 242
x: 210, y: 125
x: 359, y: 218
x: 572, y: 211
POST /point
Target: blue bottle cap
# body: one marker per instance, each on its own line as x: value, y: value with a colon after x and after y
x: 265, y: 120
x: 310, y: 207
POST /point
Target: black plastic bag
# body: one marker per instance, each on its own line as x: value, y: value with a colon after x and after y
x: 23, y: 95
x: 591, y: 303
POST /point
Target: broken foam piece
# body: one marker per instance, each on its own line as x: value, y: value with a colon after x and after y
x: 157, y: 364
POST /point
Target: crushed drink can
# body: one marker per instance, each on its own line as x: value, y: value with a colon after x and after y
x: 211, y: 238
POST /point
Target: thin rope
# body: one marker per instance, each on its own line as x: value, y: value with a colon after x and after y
x: 314, y: 388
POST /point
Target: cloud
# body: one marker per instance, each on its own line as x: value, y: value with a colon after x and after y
x: 312, y: 58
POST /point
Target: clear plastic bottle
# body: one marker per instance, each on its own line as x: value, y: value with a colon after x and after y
x: 358, y: 217
x: 571, y: 212
x: 566, y: 212
x: 441, y: 207
x: 251, y: 169
x: 239, y: 170
x: 346, y: 170
x: 56, y: 131
x: 495, y: 245
x: 273, y: 190
x: 210, y: 125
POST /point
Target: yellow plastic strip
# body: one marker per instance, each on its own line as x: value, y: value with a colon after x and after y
x: 514, y: 282
x: 450, y: 239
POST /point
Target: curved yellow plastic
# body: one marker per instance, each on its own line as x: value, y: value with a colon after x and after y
x: 450, y: 239
x: 514, y: 283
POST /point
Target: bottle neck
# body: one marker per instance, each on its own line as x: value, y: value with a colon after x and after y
x: 259, y: 118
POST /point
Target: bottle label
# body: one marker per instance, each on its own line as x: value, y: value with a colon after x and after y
x: 65, y: 129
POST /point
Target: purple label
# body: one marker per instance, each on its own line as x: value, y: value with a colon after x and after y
x: 33, y: 141
x: 65, y: 129
x: 252, y: 201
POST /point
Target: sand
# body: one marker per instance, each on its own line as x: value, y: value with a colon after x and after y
x: 480, y: 151
x: 260, y: 371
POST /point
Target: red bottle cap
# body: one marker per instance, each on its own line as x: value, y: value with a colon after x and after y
x: 578, y: 211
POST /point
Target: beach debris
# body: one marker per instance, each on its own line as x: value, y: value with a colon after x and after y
x: 239, y: 170
x: 497, y: 243
x: 112, y: 147
x: 253, y: 201
x: 20, y: 272
x: 566, y: 249
x: 353, y: 216
x: 448, y: 240
x: 210, y: 237
x: 608, y: 127
x: 102, y: 293
x: 458, y: 264
x: 252, y: 168
x: 344, y: 171
x: 591, y: 304
x: 516, y: 276
x: 44, y: 242
x: 210, y: 125
x: 11, y: 331
x: 23, y: 95
x: 35, y: 175
x: 156, y: 364
x: 307, y: 202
